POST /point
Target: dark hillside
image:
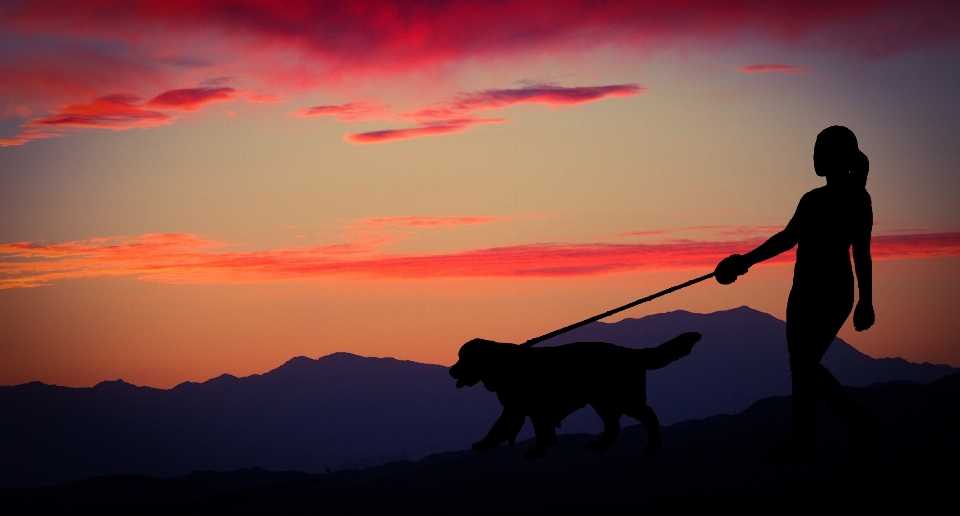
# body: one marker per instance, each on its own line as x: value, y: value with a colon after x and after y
x: 708, y: 465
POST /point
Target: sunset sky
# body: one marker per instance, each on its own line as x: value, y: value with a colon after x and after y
x: 191, y: 188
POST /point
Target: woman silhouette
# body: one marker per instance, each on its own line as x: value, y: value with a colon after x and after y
x: 828, y: 221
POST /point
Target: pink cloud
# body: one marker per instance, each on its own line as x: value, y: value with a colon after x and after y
x: 544, y: 94
x: 775, y: 68
x: 353, y: 112
x: 178, y: 258
x: 456, y: 116
x: 190, y: 99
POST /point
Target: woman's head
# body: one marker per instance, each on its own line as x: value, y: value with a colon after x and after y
x: 836, y: 154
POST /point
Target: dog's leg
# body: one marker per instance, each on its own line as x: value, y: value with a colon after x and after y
x: 546, y: 434
x: 645, y: 415
x: 611, y: 429
x: 506, y: 428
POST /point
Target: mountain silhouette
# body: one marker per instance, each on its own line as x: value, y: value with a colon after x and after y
x: 345, y: 411
x: 706, y: 466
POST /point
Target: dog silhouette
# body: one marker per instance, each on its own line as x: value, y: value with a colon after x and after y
x: 548, y: 384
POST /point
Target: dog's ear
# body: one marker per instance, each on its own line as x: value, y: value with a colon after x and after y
x: 500, y: 365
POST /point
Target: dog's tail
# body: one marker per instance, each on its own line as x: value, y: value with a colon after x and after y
x: 671, y: 350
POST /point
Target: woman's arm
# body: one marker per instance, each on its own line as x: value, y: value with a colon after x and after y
x: 863, y: 264
x: 863, y: 316
x: 782, y: 241
x: 737, y: 265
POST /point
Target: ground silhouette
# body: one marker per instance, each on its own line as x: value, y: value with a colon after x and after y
x: 345, y: 411
x: 706, y: 466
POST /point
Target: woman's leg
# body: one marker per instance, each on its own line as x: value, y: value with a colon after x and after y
x: 804, y: 377
x: 835, y: 396
x: 812, y: 324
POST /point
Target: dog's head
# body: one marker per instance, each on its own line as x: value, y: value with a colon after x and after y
x: 480, y: 360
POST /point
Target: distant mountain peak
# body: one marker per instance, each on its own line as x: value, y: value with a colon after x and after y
x: 118, y: 383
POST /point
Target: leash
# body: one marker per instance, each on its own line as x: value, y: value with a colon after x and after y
x: 595, y: 318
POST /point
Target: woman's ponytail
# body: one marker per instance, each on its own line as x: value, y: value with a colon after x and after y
x: 859, y: 168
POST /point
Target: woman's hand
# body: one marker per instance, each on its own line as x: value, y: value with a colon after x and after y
x: 863, y: 316
x: 730, y: 267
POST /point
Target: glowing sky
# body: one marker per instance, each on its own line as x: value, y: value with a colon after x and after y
x: 193, y: 188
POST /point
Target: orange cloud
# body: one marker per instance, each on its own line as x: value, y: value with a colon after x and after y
x: 178, y: 258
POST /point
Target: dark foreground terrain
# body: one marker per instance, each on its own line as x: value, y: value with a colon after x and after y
x: 706, y: 465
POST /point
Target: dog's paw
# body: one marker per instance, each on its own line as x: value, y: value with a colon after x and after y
x: 484, y: 446
x: 534, y: 453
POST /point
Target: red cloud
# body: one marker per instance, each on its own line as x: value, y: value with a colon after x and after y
x: 187, y: 259
x: 117, y: 112
x: 774, y: 68
x: 190, y: 99
x: 405, y: 34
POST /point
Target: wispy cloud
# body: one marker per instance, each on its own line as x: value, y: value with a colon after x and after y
x: 427, y: 129
x: 26, y: 136
x: 353, y: 112
x: 459, y: 114
x: 543, y: 94
x: 719, y: 230
x: 775, y: 68
x: 179, y: 258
